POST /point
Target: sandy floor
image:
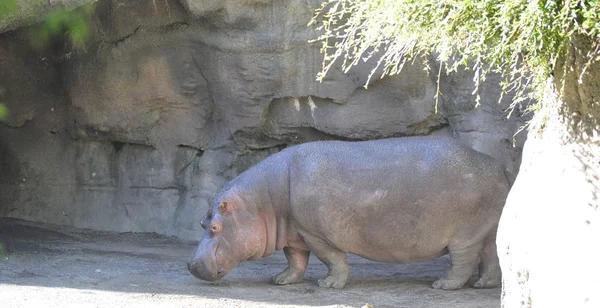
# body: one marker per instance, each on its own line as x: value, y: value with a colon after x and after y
x: 50, y: 266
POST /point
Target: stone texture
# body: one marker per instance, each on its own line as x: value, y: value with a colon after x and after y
x: 485, y: 127
x: 170, y: 100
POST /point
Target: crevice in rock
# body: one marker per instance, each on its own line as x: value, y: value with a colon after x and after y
x: 432, y: 123
x: 126, y: 210
x: 181, y: 202
x: 155, y: 187
x: 162, y: 29
x: 126, y: 37
x: 199, y: 151
x: 209, y: 86
x: 118, y: 146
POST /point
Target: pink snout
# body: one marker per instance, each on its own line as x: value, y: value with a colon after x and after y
x: 204, y: 263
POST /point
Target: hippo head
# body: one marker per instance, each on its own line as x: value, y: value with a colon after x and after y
x: 234, y: 232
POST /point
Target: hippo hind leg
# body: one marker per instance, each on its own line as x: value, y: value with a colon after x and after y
x: 335, y: 259
x: 489, y: 267
x: 297, y: 262
x: 464, y: 261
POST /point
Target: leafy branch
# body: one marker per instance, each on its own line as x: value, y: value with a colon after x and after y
x: 521, y: 40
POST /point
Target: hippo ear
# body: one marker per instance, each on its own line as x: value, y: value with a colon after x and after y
x: 226, y: 208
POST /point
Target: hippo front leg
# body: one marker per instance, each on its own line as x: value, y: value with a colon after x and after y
x: 335, y: 259
x: 297, y: 262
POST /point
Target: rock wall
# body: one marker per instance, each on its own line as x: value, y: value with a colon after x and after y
x: 170, y: 100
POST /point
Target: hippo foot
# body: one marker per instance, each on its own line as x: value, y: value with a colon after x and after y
x: 447, y: 284
x: 288, y: 276
x: 331, y: 282
x: 485, y: 283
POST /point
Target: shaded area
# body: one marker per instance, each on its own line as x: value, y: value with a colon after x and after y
x: 169, y: 100
x: 56, y: 265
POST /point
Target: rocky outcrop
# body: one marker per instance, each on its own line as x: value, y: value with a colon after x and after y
x: 170, y: 100
x: 556, y: 197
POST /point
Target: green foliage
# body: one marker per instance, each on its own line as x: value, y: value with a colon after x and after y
x: 3, y: 108
x: 7, y: 7
x: 73, y: 24
x: 61, y: 21
x: 3, y: 112
x: 520, y: 39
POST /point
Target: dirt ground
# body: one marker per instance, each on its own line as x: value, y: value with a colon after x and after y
x: 52, y: 266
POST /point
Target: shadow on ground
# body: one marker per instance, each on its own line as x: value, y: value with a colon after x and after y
x: 52, y: 265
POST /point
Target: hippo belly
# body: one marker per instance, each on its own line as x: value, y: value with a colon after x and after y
x: 401, y: 213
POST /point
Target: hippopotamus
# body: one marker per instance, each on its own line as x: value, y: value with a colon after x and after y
x: 395, y: 200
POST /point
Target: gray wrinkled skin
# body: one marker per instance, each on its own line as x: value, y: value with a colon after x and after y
x: 394, y: 200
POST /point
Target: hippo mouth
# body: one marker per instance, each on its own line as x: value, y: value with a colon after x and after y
x: 205, y: 265
x: 224, y: 265
x: 211, y: 264
x: 211, y: 278
x: 219, y: 273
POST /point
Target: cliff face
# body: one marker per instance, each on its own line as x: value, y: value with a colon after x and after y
x: 170, y: 100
